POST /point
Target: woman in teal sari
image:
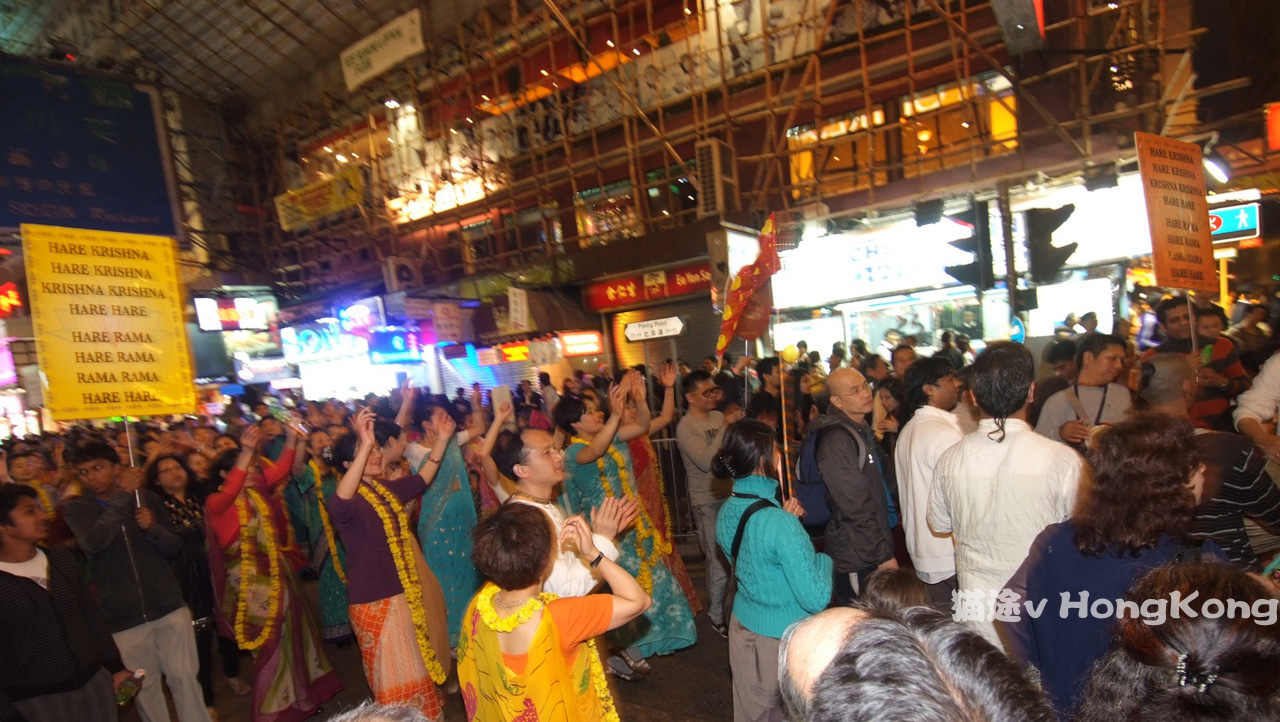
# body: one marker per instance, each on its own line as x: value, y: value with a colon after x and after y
x: 599, y: 465
x: 316, y: 482
x: 448, y: 510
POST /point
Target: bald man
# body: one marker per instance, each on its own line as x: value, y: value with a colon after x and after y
x: 806, y: 650
x: 859, y: 536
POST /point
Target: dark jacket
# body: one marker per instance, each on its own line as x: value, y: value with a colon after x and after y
x: 50, y: 641
x: 132, y: 578
x: 858, y: 536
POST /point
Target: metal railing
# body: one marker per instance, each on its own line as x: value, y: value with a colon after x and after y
x: 677, y: 488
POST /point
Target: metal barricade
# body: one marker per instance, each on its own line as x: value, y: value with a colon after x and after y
x: 677, y: 488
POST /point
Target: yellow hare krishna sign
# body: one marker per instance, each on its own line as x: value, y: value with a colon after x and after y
x: 108, y: 316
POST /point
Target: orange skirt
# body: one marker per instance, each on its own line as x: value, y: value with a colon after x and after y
x: 393, y: 663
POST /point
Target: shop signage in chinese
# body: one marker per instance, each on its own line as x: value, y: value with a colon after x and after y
x: 417, y: 308
x: 582, y: 343
x: 375, y: 54
x: 655, y: 329
x: 108, y: 320
x: 518, y: 309
x: 654, y: 286
x: 1234, y: 223
x: 235, y: 314
x: 81, y: 151
x: 447, y: 319
x: 9, y: 299
x: 1173, y: 182
x: 488, y: 357
x: 300, y: 207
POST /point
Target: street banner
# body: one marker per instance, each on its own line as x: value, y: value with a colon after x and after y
x: 375, y: 54
x: 750, y: 279
x: 305, y: 205
x: 1173, y: 183
x: 108, y: 318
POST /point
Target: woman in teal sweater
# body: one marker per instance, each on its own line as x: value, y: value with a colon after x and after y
x: 781, y: 579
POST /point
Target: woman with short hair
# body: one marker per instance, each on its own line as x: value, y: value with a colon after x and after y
x: 527, y: 654
x: 1132, y: 516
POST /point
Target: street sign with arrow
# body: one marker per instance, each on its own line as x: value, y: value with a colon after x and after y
x: 641, y: 331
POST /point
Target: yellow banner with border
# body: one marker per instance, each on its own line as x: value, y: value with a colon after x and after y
x: 107, y: 310
x: 310, y: 203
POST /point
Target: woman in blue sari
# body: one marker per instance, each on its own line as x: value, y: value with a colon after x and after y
x: 317, y: 481
x: 448, y: 509
x: 599, y: 465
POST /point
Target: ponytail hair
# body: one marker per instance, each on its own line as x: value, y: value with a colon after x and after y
x: 748, y: 444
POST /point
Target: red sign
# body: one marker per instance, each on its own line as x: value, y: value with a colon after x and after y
x: 654, y: 286
x: 582, y: 343
x: 9, y: 299
x: 1273, y: 126
x: 513, y: 352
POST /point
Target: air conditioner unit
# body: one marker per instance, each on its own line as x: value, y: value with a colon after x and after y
x: 401, y: 273
x: 717, y: 173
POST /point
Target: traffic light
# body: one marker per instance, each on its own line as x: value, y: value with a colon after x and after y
x: 979, y: 273
x: 1046, y: 260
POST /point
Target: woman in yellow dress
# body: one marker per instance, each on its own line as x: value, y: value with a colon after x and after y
x: 528, y: 656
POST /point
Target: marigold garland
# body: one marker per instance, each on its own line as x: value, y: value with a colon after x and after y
x: 326, y: 522
x: 400, y: 540
x: 290, y: 538
x: 662, y: 490
x: 484, y: 605
x: 248, y: 569
x: 46, y: 501
x: 645, y: 528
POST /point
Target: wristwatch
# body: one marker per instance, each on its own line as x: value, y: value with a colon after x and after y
x: 596, y: 562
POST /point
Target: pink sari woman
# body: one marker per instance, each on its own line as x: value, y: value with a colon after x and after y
x: 259, y: 603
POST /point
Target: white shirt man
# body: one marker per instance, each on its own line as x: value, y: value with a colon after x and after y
x: 931, y: 430
x: 998, y: 488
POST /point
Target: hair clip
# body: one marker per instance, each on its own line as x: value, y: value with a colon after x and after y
x: 1200, y: 680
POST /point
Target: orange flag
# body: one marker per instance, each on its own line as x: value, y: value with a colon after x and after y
x: 749, y: 279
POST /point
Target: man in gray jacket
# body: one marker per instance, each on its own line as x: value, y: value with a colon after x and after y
x: 127, y: 544
x: 859, y: 535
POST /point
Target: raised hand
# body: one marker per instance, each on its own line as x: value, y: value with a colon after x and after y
x: 131, y: 479
x: 445, y: 428
x: 618, y: 397
x: 251, y: 437
x: 639, y: 388
x: 576, y: 530
x: 364, y: 426
x: 668, y: 374
x: 503, y: 411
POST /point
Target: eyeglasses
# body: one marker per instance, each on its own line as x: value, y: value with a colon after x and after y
x: 858, y: 390
x: 712, y: 392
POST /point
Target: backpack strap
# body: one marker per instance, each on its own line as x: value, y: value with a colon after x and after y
x: 742, y: 524
x: 857, y: 439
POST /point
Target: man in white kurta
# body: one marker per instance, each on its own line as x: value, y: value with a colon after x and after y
x: 998, y: 488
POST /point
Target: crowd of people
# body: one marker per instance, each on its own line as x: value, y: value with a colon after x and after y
x: 946, y: 534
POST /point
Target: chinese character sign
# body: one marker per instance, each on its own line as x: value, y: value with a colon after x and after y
x: 81, y: 151
x: 653, y: 286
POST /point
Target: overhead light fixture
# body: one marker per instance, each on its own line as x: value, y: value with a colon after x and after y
x: 355, y: 154
x: 484, y: 97
x: 341, y: 158
x: 636, y: 51
x: 965, y: 124
x: 924, y: 135
x: 470, y: 120
x: 1214, y: 164
x: 836, y: 158
x: 327, y: 149
x: 609, y: 43
x: 687, y: 11
x: 390, y: 139
x: 544, y: 72
x: 453, y: 130
x: 391, y: 103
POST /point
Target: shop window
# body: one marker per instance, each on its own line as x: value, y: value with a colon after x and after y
x: 536, y: 228
x: 606, y: 214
